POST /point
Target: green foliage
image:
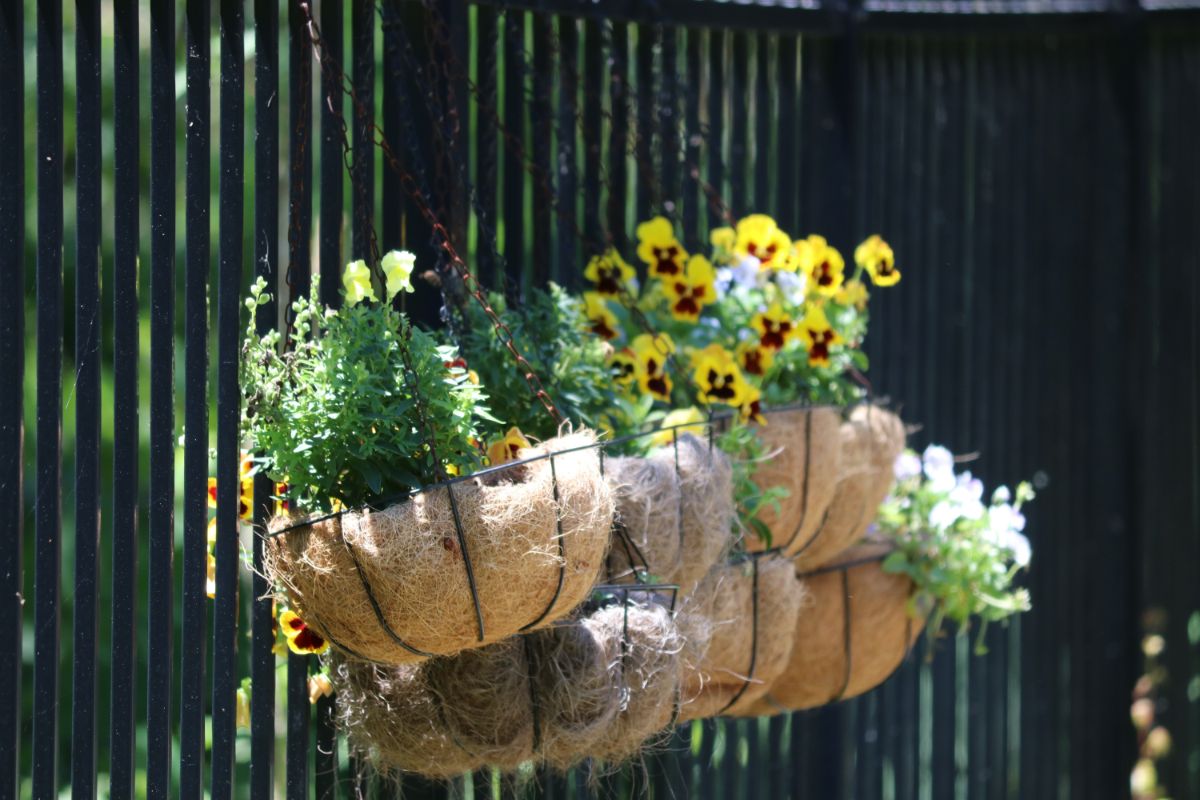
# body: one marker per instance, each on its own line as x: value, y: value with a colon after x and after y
x: 962, y: 555
x: 336, y: 418
x: 746, y: 451
x: 550, y: 331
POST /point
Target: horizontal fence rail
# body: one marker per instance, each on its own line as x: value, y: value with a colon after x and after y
x: 1033, y: 164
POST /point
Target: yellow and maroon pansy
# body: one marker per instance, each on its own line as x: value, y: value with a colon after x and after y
x: 659, y: 249
x: 624, y: 365
x: 818, y: 336
x: 507, y: 448
x: 876, y: 257
x: 652, y: 352
x: 717, y: 376
x: 692, y: 290
x: 609, y: 273
x: 751, y: 405
x: 757, y: 235
x: 822, y: 265
x: 723, y: 241
x: 301, y: 639
x: 601, y: 319
x: 754, y: 359
x: 774, y: 326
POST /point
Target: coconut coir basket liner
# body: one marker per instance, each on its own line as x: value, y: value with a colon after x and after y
x: 854, y: 631
x: 871, y: 439
x: 394, y: 587
x: 750, y: 608
x: 595, y: 687
x: 674, y: 512
x: 804, y: 449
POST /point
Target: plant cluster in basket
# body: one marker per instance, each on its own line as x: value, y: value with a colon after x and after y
x: 724, y: 524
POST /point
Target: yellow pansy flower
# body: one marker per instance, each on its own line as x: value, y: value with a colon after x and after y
x: 690, y: 291
x: 775, y: 327
x: 822, y: 264
x: 751, y: 405
x: 241, y: 714
x: 397, y: 270
x: 759, y: 236
x: 818, y: 336
x: 652, y: 352
x: 753, y: 358
x: 609, y: 272
x: 301, y: 639
x: 245, y: 489
x: 677, y: 423
x: 659, y: 249
x: 876, y: 257
x: 717, y: 376
x: 723, y: 241
x: 624, y: 365
x: 210, y: 577
x: 507, y: 448
x: 603, y: 322
x: 357, y: 281
x: 853, y: 293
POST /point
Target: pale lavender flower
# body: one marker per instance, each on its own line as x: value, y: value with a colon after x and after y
x: 907, y: 465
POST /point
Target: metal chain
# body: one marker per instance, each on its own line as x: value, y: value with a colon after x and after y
x: 334, y: 72
x: 410, y: 185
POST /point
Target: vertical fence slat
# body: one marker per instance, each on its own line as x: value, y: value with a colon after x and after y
x: 325, y: 767
x: 48, y: 546
x: 691, y: 125
x: 593, y: 76
x: 332, y: 34
x: 297, y: 726
x: 487, y: 34
x: 668, y: 121
x: 391, y: 201
x: 618, y: 143
x: 162, y: 398
x: 787, y: 176
x: 738, y: 90
x: 648, y: 200
x: 266, y: 266
x: 195, y: 445
x: 12, y: 364
x: 126, y: 244
x: 568, y: 166
x: 714, y: 130
x: 362, y: 178
x: 86, y: 612
x: 229, y: 288
x: 514, y: 172
x: 541, y: 122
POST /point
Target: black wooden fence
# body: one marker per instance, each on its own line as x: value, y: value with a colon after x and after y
x: 1036, y: 166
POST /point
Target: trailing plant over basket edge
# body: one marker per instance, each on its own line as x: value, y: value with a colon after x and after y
x: 962, y: 555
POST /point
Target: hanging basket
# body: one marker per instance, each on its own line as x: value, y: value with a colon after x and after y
x: 738, y: 628
x: 597, y: 687
x: 459, y: 565
x: 871, y: 439
x: 674, y: 512
x: 804, y: 449
x: 852, y: 634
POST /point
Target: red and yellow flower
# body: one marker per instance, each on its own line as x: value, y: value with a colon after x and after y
x: 717, y: 376
x: 876, y: 257
x: 692, y: 290
x: 507, y: 448
x: 753, y: 358
x: 245, y: 492
x: 659, y: 249
x: 301, y: 639
x: 751, y: 405
x: 818, y: 336
x: 774, y: 326
x: 652, y: 352
x: 602, y: 321
x: 823, y: 265
x: 757, y: 235
x: 609, y: 272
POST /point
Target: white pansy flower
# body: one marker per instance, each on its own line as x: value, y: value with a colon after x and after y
x: 907, y: 465
x: 938, y: 464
